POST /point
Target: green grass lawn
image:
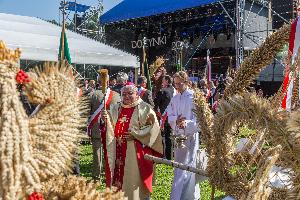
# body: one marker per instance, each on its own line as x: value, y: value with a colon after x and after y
x: 163, y: 179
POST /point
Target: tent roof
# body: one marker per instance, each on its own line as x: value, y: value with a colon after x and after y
x: 132, y: 9
x: 39, y: 40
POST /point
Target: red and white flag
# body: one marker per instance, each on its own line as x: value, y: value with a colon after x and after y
x: 208, y: 67
x: 294, y: 45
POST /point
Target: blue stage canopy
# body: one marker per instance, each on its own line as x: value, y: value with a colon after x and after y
x: 131, y: 9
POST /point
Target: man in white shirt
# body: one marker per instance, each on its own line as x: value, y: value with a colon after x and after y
x: 183, y: 122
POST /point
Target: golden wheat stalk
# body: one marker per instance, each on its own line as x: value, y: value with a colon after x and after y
x: 258, y: 60
x: 246, y: 109
x: 76, y: 188
x: 293, y: 160
x: 156, y: 65
x: 204, y: 118
x: 276, y: 99
x: 55, y: 129
x: 19, y: 171
x: 260, y: 189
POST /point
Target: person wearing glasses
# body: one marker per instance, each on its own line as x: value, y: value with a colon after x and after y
x: 132, y: 130
x: 183, y: 122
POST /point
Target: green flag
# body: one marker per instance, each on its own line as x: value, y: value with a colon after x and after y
x: 64, y: 52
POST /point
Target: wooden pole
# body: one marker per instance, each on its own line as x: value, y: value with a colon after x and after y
x: 136, y: 74
x: 181, y: 166
x: 213, y: 190
x: 176, y: 61
x: 62, y: 50
x: 175, y: 164
x: 75, y: 18
x: 181, y: 59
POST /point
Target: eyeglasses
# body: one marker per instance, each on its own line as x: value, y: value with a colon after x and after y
x: 178, y: 83
x: 127, y: 93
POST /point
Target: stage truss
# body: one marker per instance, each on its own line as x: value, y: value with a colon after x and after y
x: 86, y: 23
x: 242, y: 15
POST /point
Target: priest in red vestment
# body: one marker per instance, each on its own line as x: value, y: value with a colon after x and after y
x: 132, y: 130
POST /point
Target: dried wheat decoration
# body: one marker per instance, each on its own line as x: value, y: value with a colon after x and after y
x: 19, y: 170
x: 37, y: 149
x: 244, y: 174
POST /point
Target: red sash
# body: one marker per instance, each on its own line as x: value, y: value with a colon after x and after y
x: 95, y: 116
x: 163, y: 118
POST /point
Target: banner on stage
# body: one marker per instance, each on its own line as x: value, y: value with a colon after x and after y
x: 149, y: 42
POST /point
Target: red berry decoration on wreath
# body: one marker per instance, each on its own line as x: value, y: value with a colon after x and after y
x: 36, y: 196
x: 22, y: 77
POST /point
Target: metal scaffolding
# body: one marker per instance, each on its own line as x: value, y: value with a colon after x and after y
x: 88, y: 23
x: 90, y: 16
x: 243, y: 21
x: 240, y: 26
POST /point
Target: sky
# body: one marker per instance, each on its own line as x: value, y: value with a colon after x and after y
x: 45, y: 9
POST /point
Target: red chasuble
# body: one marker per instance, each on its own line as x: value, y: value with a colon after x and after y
x: 145, y: 166
x: 121, y: 129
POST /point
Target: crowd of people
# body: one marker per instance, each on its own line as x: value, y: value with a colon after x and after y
x: 138, y: 122
x: 128, y: 121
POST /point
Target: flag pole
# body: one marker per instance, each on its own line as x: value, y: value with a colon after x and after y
x: 180, y: 56
x: 181, y: 59
x: 62, y: 50
x: 104, y: 82
x: 176, y: 60
x: 144, y: 57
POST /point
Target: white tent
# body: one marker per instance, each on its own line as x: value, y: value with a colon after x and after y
x: 39, y: 40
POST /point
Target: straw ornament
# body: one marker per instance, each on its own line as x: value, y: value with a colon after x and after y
x: 274, y: 140
x: 277, y: 98
x: 232, y: 171
x: 156, y: 65
x: 205, y: 117
x: 55, y: 128
x: 18, y: 171
x: 7, y: 55
x: 293, y: 142
x: 104, y: 79
x: 259, y: 186
x: 76, y: 188
x: 43, y: 147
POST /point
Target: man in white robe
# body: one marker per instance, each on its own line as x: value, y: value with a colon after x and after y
x: 183, y: 122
